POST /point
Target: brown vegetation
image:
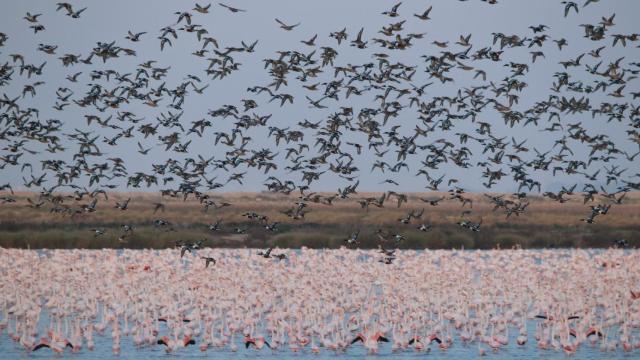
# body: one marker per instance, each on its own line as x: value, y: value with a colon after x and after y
x: 544, y: 224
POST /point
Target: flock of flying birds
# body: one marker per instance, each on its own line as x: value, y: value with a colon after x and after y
x: 337, y: 311
x: 308, y: 150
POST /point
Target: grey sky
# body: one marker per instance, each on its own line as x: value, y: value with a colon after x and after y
x: 107, y: 21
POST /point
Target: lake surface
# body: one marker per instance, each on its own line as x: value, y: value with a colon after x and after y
x: 418, y: 289
x: 12, y: 350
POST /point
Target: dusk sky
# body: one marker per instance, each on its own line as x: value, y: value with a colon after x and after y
x: 108, y: 21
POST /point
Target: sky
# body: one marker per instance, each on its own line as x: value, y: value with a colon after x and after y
x: 108, y: 21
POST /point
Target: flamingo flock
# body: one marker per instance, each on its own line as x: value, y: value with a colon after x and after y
x: 317, y: 301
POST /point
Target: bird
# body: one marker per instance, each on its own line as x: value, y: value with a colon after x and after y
x: 32, y: 18
x: 215, y: 226
x: 366, y: 113
x: 394, y: 10
x: 232, y: 9
x: 208, y: 260
x: 124, y: 205
x: 433, y: 201
x: 135, y: 37
x: 142, y: 150
x: 310, y: 42
x: 257, y: 342
x: 98, y: 232
x: 285, y: 26
x: 202, y: 9
x: 568, y: 5
x: 621, y: 243
x: 265, y: 254
x: 377, y: 337
x: 353, y: 238
x: 358, y: 42
x: 388, y: 260
x: 169, y: 343
x: 184, y: 249
x: 158, y: 206
x: 425, y: 14
x: 57, y: 346
x: 76, y: 14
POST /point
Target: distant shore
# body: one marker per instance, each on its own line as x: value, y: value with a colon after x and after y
x: 544, y: 224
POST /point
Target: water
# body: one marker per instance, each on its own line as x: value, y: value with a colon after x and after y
x: 13, y: 350
x: 458, y: 350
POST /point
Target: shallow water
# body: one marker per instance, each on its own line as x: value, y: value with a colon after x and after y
x: 458, y: 350
x: 12, y: 350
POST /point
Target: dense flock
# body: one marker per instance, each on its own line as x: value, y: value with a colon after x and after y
x: 313, y: 301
